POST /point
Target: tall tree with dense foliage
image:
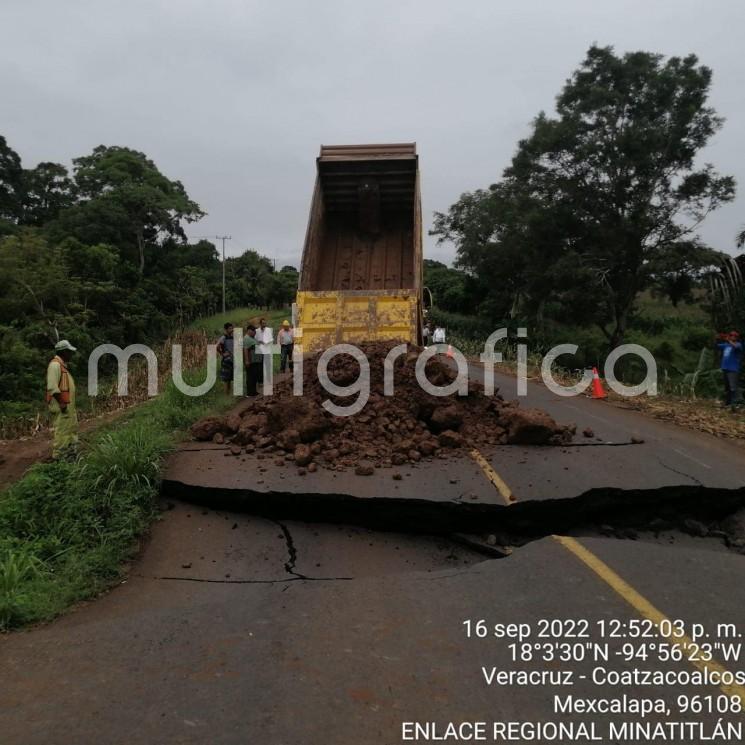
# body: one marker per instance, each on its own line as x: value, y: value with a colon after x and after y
x: 101, y: 256
x: 600, y: 197
x: 47, y: 190
x: 11, y: 183
x: 125, y: 187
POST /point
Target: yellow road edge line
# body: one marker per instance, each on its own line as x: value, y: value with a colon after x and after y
x: 645, y: 608
x: 637, y: 601
x: 496, y: 480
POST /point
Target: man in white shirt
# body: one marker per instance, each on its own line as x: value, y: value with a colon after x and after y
x: 439, y: 336
x: 264, y: 338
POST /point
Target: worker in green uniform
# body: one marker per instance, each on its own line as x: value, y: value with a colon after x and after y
x: 61, y: 401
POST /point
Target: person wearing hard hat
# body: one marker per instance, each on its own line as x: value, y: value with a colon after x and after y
x: 60, y: 398
x: 286, y: 340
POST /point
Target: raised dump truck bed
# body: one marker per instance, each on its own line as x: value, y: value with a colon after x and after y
x: 361, y: 272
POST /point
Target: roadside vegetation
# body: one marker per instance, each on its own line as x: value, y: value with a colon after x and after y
x: 590, y: 235
x: 67, y: 528
x: 98, y: 254
x: 242, y: 316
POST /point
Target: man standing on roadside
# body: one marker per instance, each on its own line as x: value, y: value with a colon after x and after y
x: 438, y: 338
x: 285, y: 340
x: 225, y: 350
x: 264, y: 341
x: 250, y: 360
x: 60, y: 397
x: 731, y: 348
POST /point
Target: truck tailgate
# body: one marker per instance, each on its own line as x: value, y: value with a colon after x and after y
x: 332, y: 317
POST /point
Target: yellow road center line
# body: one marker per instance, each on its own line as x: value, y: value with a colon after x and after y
x: 635, y: 599
x: 496, y: 480
x: 646, y: 609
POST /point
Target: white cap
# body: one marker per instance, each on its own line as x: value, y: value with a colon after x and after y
x: 64, y: 344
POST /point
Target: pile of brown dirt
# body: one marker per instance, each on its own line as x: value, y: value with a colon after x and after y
x: 390, y: 430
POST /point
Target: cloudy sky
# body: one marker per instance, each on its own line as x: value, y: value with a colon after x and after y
x: 234, y: 98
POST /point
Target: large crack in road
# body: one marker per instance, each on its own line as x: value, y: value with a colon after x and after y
x: 693, y: 509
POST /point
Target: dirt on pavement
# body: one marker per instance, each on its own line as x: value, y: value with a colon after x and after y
x: 389, y: 430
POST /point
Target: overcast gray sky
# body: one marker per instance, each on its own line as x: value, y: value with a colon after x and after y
x: 234, y: 98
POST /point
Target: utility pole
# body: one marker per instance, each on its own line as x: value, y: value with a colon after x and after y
x: 223, y: 238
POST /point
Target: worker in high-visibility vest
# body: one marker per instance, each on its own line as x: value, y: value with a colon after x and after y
x: 61, y: 401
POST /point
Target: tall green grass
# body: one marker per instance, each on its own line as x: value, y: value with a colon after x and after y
x: 66, y: 528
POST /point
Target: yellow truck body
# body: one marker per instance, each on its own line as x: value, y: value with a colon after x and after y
x: 361, y: 271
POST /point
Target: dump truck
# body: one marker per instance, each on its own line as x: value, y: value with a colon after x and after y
x: 361, y: 271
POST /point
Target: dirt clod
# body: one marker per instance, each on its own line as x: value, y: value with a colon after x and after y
x: 450, y: 439
x: 303, y: 455
x: 207, y: 428
x: 446, y: 417
x: 534, y: 427
x: 364, y: 468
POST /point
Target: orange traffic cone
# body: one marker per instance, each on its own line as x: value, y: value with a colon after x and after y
x: 450, y: 351
x: 597, y: 386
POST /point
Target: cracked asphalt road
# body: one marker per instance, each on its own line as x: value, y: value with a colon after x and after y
x: 239, y: 647
x: 234, y: 629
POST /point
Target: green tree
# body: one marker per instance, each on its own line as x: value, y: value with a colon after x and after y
x: 102, y: 257
x: 284, y: 290
x: 124, y: 187
x: 598, y: 196
x: 11, y: 183
x: 449, y: 287
x: 248, y: 279
x: 48, y: 190
x: 682, y: 268
x: 33, y: 279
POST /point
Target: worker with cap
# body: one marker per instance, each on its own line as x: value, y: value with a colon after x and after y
x: 60, y: 398
x: 731, y: 348
x: 285, y: 340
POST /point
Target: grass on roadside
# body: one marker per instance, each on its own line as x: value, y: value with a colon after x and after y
x: 66, y: 528
x: 241, y: 317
